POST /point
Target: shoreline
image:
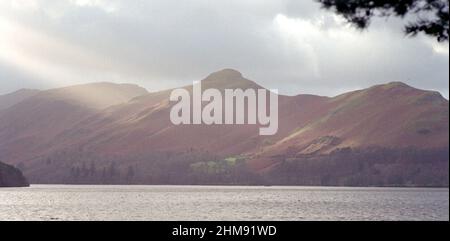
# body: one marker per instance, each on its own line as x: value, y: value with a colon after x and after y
x: 234, y: 186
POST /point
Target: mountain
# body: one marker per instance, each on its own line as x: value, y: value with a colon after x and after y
x: 11, y: 99
x: 27, y: 129
x: 11, y: 177
x: 390, y: 134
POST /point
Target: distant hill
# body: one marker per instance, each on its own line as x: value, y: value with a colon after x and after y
x: 386, y: 135
x: 11, y: 99
x: 11, y: 177
x: 29, y: 127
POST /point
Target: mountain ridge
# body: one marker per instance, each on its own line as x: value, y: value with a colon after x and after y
x: 136, y: 136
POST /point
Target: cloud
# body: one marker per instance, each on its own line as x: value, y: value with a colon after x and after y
x: 107, y: 6
x: 293, y: 46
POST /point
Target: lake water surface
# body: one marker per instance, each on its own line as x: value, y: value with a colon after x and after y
x: 61, y: 202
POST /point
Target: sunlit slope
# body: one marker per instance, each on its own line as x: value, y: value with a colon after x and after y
x: 27, y: 129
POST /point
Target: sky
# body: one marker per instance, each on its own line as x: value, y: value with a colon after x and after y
x: 290, y: 45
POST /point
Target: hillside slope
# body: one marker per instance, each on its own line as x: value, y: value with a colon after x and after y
x: 11, y: 99
x: 27, y: 129
x: 386, y: 135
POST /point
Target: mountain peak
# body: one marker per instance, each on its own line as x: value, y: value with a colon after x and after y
x: 228, y: 79
x: 225, y: 74
x: 396, y: 84
x: 390, y: 86
x: 403, y: 88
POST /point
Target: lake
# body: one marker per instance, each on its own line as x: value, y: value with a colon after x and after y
x: 65, y: 202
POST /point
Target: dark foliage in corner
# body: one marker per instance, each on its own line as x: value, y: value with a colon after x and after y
x: 431, y: 17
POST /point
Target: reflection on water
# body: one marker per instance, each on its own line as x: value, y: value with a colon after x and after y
x: 59, y: 202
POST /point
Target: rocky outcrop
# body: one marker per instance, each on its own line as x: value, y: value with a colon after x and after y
x: 11, y: 177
